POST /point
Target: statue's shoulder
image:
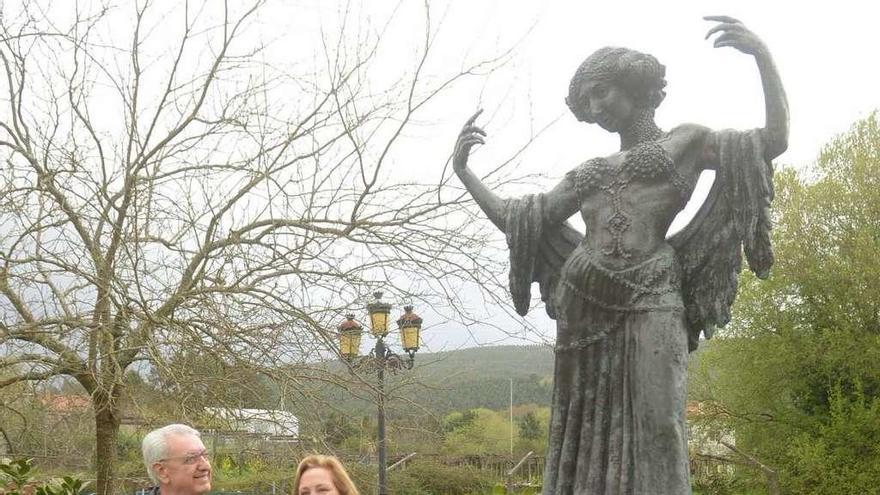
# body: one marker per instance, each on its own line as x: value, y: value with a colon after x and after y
x: 693, y: 137
x: 690, y: 131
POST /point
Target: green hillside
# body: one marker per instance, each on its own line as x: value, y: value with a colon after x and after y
x: 482, y: 363
x: 481, y: 377
x: 462, y: 379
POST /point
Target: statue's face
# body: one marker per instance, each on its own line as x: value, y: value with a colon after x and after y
x: 610, y: 106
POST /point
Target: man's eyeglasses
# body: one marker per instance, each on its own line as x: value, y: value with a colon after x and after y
x: 189, y: 458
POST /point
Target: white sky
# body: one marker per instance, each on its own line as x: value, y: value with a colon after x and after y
x: 826, y: 53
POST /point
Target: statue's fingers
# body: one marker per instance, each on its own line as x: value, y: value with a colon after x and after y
x: 727, y: 39
x: 470, y: 131
x: 473, y: 118
x: 473, y: 129
x: 723, y: 44
x: 474, y: 139
x: 723, y: 27
x: 722, y: 18
x: 471, y: 141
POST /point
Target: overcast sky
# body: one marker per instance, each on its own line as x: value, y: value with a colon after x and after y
x: 826, y: 53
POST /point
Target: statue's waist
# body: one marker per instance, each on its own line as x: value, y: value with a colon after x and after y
x: 653, y: 283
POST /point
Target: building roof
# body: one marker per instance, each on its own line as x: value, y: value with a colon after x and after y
x: 255, y: 421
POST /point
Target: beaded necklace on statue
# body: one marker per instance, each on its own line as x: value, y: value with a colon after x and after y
x: 646, y: 160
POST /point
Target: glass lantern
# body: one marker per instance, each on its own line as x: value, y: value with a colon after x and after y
x: 410, y: 325
x: 379, y: 312
x: 350, y: 333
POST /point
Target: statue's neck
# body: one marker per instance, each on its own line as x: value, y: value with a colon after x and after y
x: 642, y: 130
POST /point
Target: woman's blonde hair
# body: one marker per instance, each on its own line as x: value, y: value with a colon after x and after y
x: 340, y: 478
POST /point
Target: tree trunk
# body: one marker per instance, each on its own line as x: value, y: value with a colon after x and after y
x: 7, y: 448
x: 106, y: 430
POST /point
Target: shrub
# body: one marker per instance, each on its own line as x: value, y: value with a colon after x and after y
x: 17, y: 478
x: 844, y: 457
x: 440, y: 479
x: 424, y: 478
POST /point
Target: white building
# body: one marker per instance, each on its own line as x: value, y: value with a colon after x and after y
x: 266, y: 423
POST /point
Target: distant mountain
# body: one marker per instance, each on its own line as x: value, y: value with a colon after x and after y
x: 443, y: 382
x: 488, y: 362
x: 481, y: 377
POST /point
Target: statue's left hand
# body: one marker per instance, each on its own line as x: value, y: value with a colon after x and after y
x: 469, y: 136
x: 735, y: 34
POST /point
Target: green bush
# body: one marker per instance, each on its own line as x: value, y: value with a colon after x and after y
x: 844, y: 457
x: 251, y: 477
x: 16, y: 477
x: 424, y: 478
x: 728, y: 484
x: 400, y: 481
x: 440, y: 479
x: 501, y: 489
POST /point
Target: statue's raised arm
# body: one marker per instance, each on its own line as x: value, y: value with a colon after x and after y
x: 471, y: 135
x: 735, y: 218
x: 736, y: 35
x: 538, y: 237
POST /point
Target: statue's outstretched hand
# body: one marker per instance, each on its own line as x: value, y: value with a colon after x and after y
x: 734, y: 34
x: 467, y: 138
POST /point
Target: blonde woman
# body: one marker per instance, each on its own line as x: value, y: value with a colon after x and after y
x: 322, y: 475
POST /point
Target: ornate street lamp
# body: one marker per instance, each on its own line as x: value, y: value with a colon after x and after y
x: 350, y: 333
x: 410, y: 325
x: 379, y: 312
x: 381, y: 357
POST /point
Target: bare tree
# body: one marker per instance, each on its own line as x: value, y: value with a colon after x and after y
x: 179, y: 192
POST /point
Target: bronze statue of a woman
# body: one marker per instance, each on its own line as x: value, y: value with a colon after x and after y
x: 628, y: 302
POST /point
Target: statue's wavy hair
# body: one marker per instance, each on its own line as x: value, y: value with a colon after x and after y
x: 637, y: 73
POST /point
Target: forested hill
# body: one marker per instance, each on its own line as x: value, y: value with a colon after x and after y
x: 481, y: 377
x: 489, y: 362
x: 468, y: 378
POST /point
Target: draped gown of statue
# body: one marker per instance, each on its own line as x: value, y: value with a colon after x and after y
x: 624, y: 332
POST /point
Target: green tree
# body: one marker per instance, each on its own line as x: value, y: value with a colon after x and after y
x: 533, y: 429
x: 337, y: 428
x: 529, y: 427
x: 460, y: 420
x: 478, y: 432
x: 796, y: 376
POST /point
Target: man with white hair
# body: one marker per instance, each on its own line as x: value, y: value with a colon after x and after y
x: 177, y: 461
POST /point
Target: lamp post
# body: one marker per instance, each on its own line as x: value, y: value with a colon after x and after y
x: 381, y: 357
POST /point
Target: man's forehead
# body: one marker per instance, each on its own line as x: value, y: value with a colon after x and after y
x: 184, y: 444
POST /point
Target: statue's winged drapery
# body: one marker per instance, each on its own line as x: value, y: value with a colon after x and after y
x: 733, y: 219
x: 537, y: 253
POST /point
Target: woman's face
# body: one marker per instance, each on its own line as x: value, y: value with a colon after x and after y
x: 610, y: 106
x: 317, y: 480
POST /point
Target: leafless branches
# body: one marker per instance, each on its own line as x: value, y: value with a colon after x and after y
x: 177, y: 195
